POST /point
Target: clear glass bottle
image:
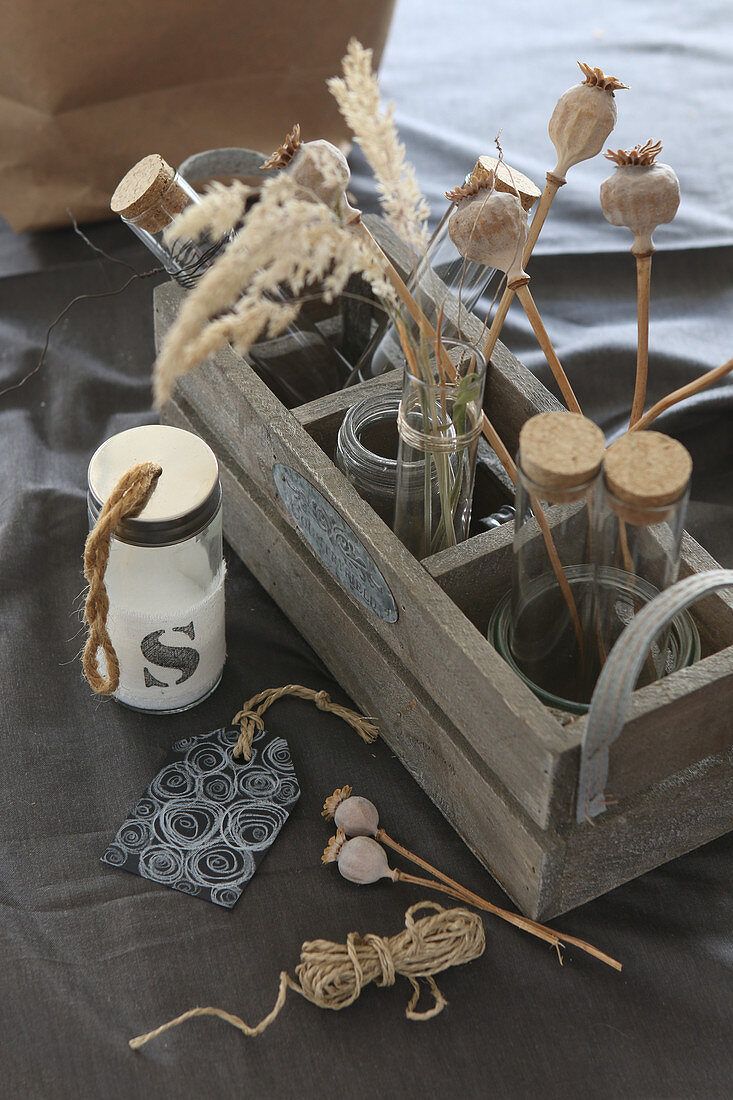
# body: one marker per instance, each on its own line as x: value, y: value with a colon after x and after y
x: 439, y: 425
x: 300, y: 365
x: 639, y: 526
x: 442, y: 264
x: 443, y: 267
x: 553, y: 581
x: 148, y: 199
x: 165, y: 575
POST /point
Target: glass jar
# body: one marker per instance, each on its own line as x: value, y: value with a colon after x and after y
x: 439, y: 425
x: 366, y: 450
x: 553, y: 579
x: 148, y: 199
x: 639, y: 526
x: 165, y: 575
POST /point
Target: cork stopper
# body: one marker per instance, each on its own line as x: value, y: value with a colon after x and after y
x: 560, y: 451
x: 148, y: 195
x: 510, y: 180
x: 647, y: 471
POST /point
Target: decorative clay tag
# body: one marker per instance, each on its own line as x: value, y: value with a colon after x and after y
x: 207, y: 819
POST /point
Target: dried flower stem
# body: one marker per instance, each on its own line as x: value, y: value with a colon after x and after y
x: 562, y: 580
x: 701, y: 383
x: 643, y: 281
x: 449, y: 886
x: 525, y: 297
x: 487, y: 428
x: 552, y: 186
x: 396, y: 279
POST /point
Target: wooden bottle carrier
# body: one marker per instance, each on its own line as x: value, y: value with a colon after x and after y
x: 407, y: 641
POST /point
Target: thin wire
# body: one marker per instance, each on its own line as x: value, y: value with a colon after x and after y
x: 80, y: 298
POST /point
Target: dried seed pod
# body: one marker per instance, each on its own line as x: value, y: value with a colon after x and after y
x: 357, y: 816
x: 322, y: 168
x: 490, y: 227
x: 354, y: 815
x: 362, y: 860
x: 641, y: 194
x: 318, y: 166
x: 583, y: 118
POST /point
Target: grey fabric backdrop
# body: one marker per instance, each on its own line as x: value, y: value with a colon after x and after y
x: 90, y: 956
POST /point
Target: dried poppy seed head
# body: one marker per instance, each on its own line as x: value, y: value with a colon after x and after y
x: 333, y: 802
x: 491, y: 228
x: 321, y: 168
x: 357, y: 816
x: 362, y: 860
x: 334, y: 846
x: 641, y: 194
x: 583, y: 118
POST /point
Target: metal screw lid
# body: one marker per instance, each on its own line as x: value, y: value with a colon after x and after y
x: 186, y: 497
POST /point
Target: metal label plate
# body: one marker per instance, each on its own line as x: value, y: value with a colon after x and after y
x: 334, y: 543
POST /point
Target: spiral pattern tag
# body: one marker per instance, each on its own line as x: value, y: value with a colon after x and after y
x: 207, y: 819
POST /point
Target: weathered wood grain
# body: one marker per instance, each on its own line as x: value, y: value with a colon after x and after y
x: 524, y: 742
x: 459, y: 781
x: 497, y: 763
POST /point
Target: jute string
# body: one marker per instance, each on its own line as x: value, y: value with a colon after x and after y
x: 332, y: 975
x: 250, y: 716
x: 127, y: 499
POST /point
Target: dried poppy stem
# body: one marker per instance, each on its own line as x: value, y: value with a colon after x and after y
x: 396, y: 279
x: 487, y: 428
x: 643, y: 286
x: 362, y: 859
x: 701, y: 383
x: 557, y: 939
x: 525, y: 297
x: 641, y: 194
x: 552, y: 186
x: 581, y: 122
x: 562, y: 580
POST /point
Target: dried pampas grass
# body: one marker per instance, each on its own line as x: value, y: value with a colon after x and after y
x: 289, y: 243
x: 358, y: 97
x: 221, y: 209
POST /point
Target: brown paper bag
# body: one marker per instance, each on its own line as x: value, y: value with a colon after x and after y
x: 88, y: 88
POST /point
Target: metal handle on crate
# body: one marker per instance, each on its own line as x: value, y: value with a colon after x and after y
x: 612, y: 696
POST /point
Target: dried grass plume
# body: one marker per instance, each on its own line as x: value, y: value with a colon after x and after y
x: 289, y: 244
x: 358, y: 97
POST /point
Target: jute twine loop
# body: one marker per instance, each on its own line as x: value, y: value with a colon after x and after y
x: 250, y: 716
x: 128, y: 498
x: 332, y: 975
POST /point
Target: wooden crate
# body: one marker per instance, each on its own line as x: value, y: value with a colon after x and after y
x: 500, y: 766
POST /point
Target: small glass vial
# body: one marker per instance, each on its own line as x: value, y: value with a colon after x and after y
x: 439, y: 424
x: 443, y: 267
x: 553, y: 581
x: 165, y: 575
x: 366, y: 450
x: 639, y: 525
x: 148, y: 199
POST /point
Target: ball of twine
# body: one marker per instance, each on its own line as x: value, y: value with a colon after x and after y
x: 332, y: 975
